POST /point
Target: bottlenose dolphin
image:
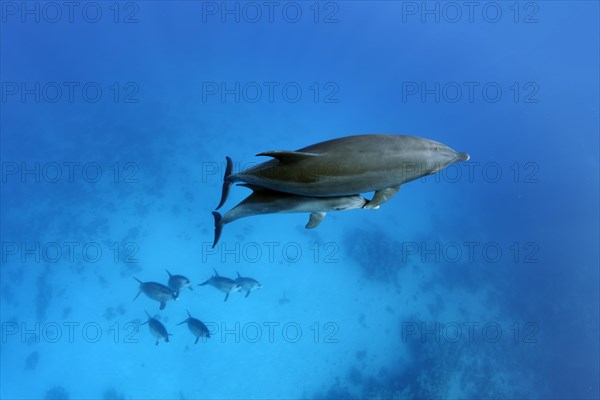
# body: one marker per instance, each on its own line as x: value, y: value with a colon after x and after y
x: 247, y: 284
x: 222, y: 283
x: 157, y: 329
x: 347, y: 166
x: 197, y: 327
x: 265, y: 201
x: 156, y: 291
x: 178, y: 282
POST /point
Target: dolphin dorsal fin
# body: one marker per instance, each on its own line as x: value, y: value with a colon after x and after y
x: 170, y: 274
x: 238, y: 274
x: 287, y: 156
x: 216, y: 273
x: 315, y: 219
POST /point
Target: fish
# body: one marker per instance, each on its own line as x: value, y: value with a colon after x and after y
x: 247, y: 284
x: 157, y: 329
x: 222, y: 283
x: 178, y: 282
x: 197, y: 327
x: 157, y: 291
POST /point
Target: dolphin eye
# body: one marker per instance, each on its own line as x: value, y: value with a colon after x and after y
x: 435, y: 148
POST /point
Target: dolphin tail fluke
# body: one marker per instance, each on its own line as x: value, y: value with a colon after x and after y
x: 226, y: 182
x: 218, y: 227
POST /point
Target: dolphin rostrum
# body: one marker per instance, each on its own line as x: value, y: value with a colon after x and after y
x: 197, y: 327
x: 347, y: 166
x: 265, y: 201
x: 222, y: 283
x: 157, y: 291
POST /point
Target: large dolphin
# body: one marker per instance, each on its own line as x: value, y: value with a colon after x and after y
x: 347, y: 166
x: 264, y: 201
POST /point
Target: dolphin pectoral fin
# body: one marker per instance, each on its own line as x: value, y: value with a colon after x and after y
x: 197, y: 338
x: 156, y: 342
x: 315, y: 219
x: 218, y: 227
x: 137, y: 295
x: 381, y: 196
x: 286, y: 156
x: 162, y: 305
x: 226, y: 182
x: 204, y: 283
x: 182, y: 322
x: 247, y: 294
x: 226, y: 296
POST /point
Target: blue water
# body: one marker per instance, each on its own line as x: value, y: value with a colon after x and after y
x: 478, y: 282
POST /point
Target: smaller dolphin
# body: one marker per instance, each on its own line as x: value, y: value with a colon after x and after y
x: 157, y: 329
x: 222, y: 283
x: 197, y: 327
x: 156, y: 291
x: 247, y: 284
x: 178, y: 282
x: 265, y: 201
